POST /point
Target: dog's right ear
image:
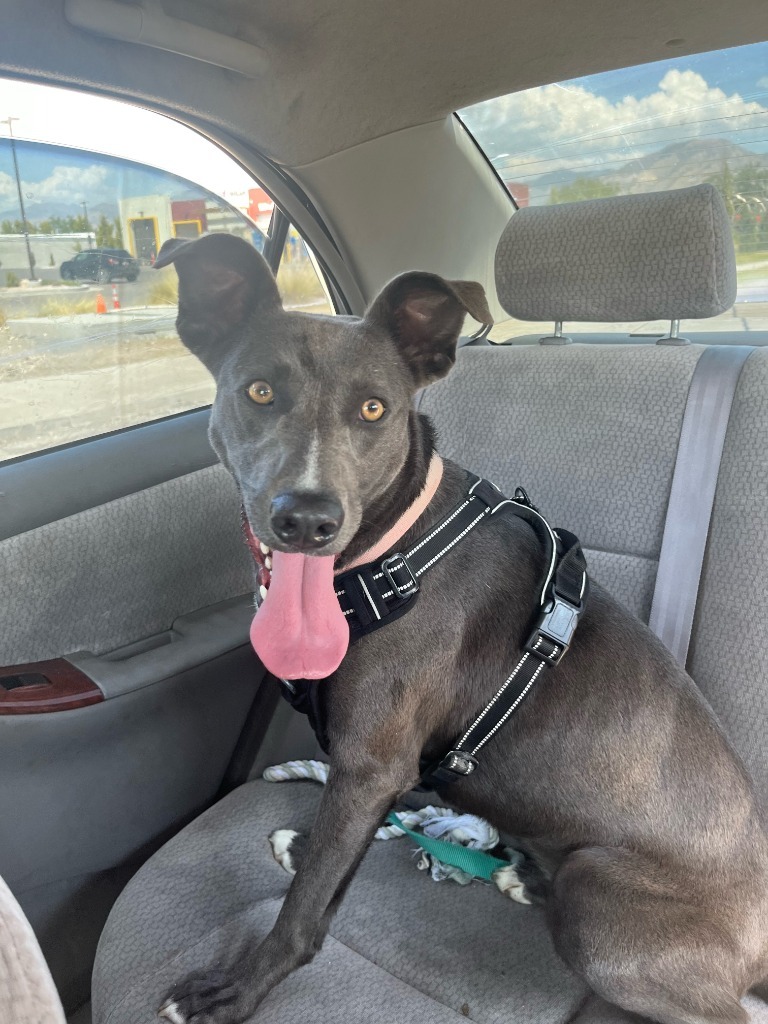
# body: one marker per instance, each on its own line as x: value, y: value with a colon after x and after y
x: 222, y: 279
x: 423, y: 314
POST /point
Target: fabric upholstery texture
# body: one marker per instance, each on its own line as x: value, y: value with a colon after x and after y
x: 662, y: 255
x: 27, y: 992
x: 174, y: 548
x: 590, y: 432
x: 729, y: 650
x: 402, y: 947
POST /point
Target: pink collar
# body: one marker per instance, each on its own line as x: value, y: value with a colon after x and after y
x: 406, y: 520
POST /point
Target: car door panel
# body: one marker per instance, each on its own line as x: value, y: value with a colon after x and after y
x: 62, y: 482
x: 124, y: 557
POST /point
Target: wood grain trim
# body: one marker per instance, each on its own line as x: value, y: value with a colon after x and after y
x: 66, y: 687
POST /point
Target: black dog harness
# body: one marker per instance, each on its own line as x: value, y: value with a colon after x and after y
x: 373, y: 595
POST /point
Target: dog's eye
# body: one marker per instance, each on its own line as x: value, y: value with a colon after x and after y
x: 372, y: 409
x: 261, y: 392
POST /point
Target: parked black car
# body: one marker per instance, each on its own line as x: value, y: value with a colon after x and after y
x: 100, y: 265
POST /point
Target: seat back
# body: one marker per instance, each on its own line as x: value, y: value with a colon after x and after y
x: 592, y: 431
x: 728, y: 657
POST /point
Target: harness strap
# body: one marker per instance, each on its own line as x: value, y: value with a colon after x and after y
x: 551, y: 637
x: 377, y: 593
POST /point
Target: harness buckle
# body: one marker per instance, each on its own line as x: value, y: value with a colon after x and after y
x: 458, y: 762
x: 554, y: 630
x: 389, y: 569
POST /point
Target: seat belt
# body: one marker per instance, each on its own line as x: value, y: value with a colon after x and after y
x: 692, y: 495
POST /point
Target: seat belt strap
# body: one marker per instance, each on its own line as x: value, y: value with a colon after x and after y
x: 692, y: 495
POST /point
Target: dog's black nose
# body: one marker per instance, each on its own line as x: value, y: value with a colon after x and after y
x: 306, y: 520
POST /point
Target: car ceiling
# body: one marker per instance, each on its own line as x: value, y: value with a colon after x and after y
x: 341, y: 72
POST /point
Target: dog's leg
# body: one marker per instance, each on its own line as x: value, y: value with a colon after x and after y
x: 352, y: 807
x: 631, y: 933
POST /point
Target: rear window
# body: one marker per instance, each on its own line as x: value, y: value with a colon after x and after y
x: 659, y: 126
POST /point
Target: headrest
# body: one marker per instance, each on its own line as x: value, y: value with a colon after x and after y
x: 656, y: 256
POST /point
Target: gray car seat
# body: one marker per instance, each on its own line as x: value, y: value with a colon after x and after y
x: 592, y: 432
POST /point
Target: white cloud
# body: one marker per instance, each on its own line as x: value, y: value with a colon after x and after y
x: 62, y: 117
x: 568, y: 126
x: 65, y: 184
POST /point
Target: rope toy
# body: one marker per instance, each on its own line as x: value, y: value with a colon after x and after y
x: 441, y: 823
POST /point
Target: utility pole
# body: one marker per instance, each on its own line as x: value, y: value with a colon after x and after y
x: 30, y: 258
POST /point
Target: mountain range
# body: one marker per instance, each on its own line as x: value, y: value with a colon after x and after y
x: 674, y: 166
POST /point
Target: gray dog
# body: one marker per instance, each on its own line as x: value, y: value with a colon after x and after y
x: 651, y: 847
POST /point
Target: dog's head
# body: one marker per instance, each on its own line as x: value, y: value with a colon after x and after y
x: 311, y: 412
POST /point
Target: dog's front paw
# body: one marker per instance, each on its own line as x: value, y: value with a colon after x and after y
x: 209, y: 997
x: 288, y: 848
x: 509, y: 882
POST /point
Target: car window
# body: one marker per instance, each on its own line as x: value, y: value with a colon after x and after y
x: 659, y: 126
x: 88, y: 343
x: 300, y: 279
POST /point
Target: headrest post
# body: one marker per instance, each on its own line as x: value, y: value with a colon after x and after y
x: 558, y: 338
x: 673, y: 338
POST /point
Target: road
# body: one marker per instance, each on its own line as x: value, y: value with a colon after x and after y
x: 29, y: 301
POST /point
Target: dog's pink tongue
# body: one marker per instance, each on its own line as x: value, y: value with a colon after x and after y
x: 299, y: 631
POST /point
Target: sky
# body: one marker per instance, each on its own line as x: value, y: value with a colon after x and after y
x: 602, y: 121
x: 76, y: 121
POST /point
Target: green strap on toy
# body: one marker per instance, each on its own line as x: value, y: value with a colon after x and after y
x: 477, y: 863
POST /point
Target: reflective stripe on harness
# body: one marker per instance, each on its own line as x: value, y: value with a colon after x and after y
x: 373, y: 595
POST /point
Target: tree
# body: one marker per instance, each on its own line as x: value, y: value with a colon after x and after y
x: 745, y: 194
x: 582, y: 188
x: 16, y: 227
x: 723, y: 182
x: 108, y: 234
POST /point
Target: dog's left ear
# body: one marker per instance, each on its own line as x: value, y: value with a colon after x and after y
x: 221, y: 280
x: 424, y: 314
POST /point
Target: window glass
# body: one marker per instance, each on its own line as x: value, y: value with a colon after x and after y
x: 299, y: 279
x: 87, y: 327
x: 659, y: 126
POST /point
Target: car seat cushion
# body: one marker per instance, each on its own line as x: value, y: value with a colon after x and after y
x: 401, y: 948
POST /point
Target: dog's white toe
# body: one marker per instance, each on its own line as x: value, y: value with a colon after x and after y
x: 508, y: 882
x: 171, y: 1012
x: 280, y: 841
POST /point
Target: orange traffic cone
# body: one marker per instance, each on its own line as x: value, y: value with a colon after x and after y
x: 115, y: 298
x: 101, y: 306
